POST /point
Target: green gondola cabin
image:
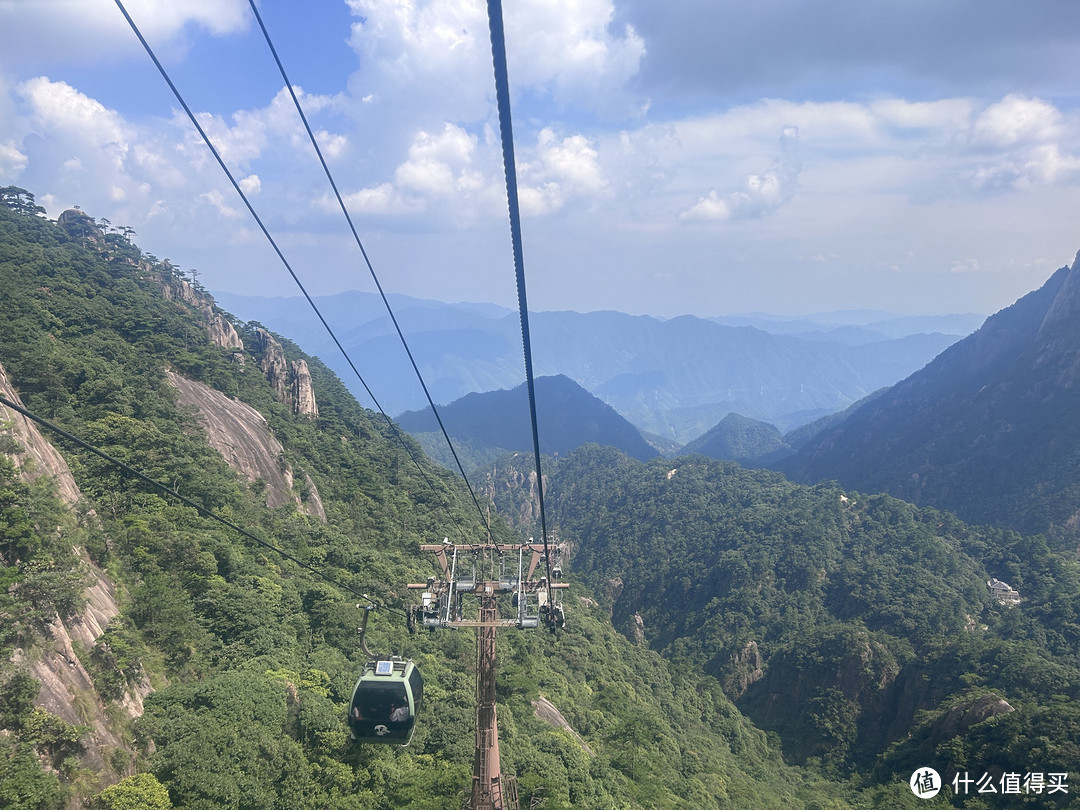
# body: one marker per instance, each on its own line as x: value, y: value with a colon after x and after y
x: 385, y: 701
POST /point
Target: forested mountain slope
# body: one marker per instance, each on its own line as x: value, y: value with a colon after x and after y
x: 857, y: 627
x: 988, y: 430
x: 250, y: 659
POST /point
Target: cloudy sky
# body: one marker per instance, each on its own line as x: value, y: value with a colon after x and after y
x: 700, y: 156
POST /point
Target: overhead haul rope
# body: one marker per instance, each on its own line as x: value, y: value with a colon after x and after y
x: 274, y: 245
x: 202, y: 510
x: 502, y: 97
x: 363, y: 252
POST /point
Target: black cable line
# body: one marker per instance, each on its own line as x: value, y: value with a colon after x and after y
x: 502, y: 98
x: 273, y: 244
x: 202, y: 510
x: 367, y: 261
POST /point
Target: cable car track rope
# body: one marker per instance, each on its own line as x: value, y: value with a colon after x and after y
x: 258, y: 220
x: 360, y: 245
x: 202, y: 510
x: 502, y: 99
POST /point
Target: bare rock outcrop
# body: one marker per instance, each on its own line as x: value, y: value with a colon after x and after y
x: 744, y: 669
x: 32, y: 454
x: 241, y: 435
x: 291, y: 381
x: 78, y: 223
x: 637, y: 630
x: 545, y: 710
x: 272, y: 362
x: 221, y: 331
x: 303, y: 395
x: 66, y: 687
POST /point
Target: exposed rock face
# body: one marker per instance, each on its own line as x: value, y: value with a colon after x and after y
x: 65, y: 683
x: 303, y: 395
x: 36, y: 457
x: 222, y: 332
x: 798, y: 689
x: 614, y: 591
x: 66, y: 687
x: 241, y: 435
x: 637, y: 630
x: 745, y: 669
x: 78, y: 223
x: 545, y: 710
x: 272, y: 362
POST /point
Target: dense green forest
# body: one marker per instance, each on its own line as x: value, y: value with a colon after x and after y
x: 857, y: 628
x: 251, y: 659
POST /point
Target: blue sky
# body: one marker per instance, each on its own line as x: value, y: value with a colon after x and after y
x: 914, y: 156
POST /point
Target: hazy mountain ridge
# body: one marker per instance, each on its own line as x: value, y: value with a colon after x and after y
x: 675, y: 378
x: 987, y: 430
x: 739, y: 438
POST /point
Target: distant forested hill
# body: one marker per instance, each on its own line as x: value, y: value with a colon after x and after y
x: 988, y: 430
x: 486, y: 426
x: 219, y: 674
x: 738, y: 438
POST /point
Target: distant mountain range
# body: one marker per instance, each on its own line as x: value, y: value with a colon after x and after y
x: 673, y: 378
x: 988, y: 430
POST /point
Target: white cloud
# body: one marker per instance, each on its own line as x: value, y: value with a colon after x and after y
x: 439, y: 168
x: 436, y: 162
x: 759, y: 194
x: 12, y: 161
x: 569, y: 49
x: 59, y: 105
x: 441, y: 50
x: 709, y: 207
x: 561, y: 170
x: 332, y: 146
x: 1015, y: 120
x: 251, y: 184
x: 572, y: 161
x: 378, y: 200
x: 253, y: 132
x: 85, y: 31
x: 217, y: 201
x: 965, y: 266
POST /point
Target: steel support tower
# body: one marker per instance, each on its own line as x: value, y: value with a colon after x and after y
x: 510, y: 569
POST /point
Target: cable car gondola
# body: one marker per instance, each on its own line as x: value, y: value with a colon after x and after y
x: 386, y: 697
x: 385, y: 701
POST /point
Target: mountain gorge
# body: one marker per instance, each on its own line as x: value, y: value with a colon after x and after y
x: 217, y: 672
x: 734, y: 639
x: 858, y: 628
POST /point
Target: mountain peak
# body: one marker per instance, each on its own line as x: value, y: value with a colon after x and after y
x: 1059, y: 332
x: 985, y: 430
